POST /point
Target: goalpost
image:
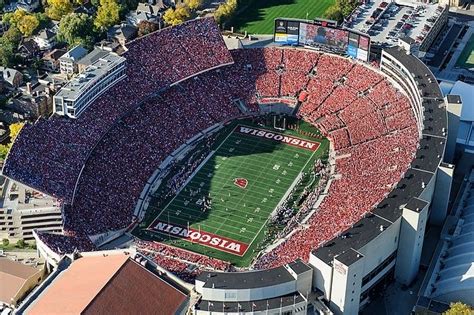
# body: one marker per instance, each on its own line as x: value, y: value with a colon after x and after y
x: 279, y: 122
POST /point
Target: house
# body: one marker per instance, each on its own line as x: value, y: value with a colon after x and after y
x: 17, y: 280
x: 12, y: 78
x: 122, y: 33
x: 68, y: 61
x: 87, y: 8
x: 109, y: 45
x: 147, y: 12
x: 36, y: 101
x: 28, y: 49
x: 28, y: 5
x: 45, y: 39
x: 90, y: 58
x: 51, y: 59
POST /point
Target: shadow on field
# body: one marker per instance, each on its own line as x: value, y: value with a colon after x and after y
x: 254, y: 11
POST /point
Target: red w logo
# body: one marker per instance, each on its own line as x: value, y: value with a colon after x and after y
x: 241, y: 182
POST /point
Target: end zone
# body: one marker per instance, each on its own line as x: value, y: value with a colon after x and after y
x: 200, y: 237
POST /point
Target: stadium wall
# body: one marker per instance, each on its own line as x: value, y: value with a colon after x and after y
x: 388, y: 242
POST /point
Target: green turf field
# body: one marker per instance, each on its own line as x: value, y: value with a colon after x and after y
x: 258, y: 17
x: 236, y: 213
x: 466, y: 59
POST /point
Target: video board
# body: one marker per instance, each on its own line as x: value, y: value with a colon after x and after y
x: 322, y: 34
x: 286, y: 32
x: 312, y: 35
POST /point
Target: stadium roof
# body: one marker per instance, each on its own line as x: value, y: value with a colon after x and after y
x: 466, y: 92
x: 252, y: 279
x: 107, y: 283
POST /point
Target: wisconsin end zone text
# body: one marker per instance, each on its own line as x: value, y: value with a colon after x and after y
x: 201, y: 237
x: 300, y: 143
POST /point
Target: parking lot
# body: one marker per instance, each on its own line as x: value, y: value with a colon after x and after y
x: 386, y: 22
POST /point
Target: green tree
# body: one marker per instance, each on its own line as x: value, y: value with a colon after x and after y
x: 21, y: 243
x: 347, y: 6
x: 5, y: 242
x: 13, y: 36
x: 459, y: 308
x: 76, y: 29
x: 7, y: 55
x: 58, y: 8
x: 193, y: 4
x: 176, y: 16
x: 333, y: 13
x: 108, y: 14
x: 43, y: 19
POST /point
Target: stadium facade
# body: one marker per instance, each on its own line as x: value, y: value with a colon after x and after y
x: 384, y: 243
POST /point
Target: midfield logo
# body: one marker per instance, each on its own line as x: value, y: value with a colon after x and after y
x: 241, y: 182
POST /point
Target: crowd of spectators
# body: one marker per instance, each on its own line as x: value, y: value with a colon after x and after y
x: 120, y: 142
x: 49, y: 154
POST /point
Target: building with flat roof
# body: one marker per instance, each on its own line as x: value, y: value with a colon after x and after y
x: 281, y: 290
x: 74, y: 97
x: 23, y: 210
x: 108, y: 282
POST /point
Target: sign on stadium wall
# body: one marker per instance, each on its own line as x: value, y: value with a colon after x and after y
x: 200, y: 237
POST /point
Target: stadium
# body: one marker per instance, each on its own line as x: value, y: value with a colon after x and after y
x: 258, y: 174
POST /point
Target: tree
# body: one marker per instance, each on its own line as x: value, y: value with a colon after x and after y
x: 5, y: 242
x: 146, y: 27
x: 176, y: 16
x: 7, y: 55
x: 193, y: 4
x: 15, y: 130
x: 108, y: 14
x: 43, y: 19
x: 28, y: 24
x: 333, y: 13
x: 21, y: 243
x: 225, y: 10
x: 76, y: 29
x: 58, y: 8
x: 347, y: 6
x: 459, y: 308
x: 12, y: 36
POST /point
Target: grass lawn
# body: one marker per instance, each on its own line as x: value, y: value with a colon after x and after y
x: 259, y: 16
x: 237, y: 213
x: 466, y: 59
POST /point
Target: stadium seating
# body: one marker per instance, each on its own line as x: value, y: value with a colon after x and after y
x: 128, y: 132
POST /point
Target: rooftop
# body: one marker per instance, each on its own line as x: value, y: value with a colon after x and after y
x: 13, y: 276
x: 107, y: 283
x: 386, y: 21
x: 74, y: 88
x: 252, y: 279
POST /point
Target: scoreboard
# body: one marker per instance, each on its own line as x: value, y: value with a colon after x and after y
x: 322, y: 34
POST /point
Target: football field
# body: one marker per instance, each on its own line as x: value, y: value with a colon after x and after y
x: 258, y: 17
x: 222, y: 210
x: 466, y: 59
